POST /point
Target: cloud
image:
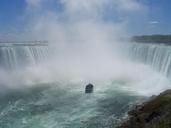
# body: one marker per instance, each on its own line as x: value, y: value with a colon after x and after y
x: 33, y: 3
x: 86, y: 8
x: 153, y: 22
x: 91, y: 7
x: 126, y: 5
x: 129, y: 5
x: 49, y: 21
x: 94, y: 7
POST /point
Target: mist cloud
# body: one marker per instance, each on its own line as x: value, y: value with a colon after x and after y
x: 42, y: 19
x: 92, y: 5
x: 84, y: 45
x: 79, y: 30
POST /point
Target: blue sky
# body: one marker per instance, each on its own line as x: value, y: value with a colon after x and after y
x: 154, y: 18
x: 11, y: 12
x: 158, y: 18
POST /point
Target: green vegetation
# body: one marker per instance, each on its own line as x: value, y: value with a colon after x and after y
x: 155, y: 113
x: 166, y: 39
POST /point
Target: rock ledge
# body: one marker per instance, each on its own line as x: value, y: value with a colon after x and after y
x: 154, y: 113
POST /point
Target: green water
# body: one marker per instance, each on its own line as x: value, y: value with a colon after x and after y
x: 58, y: 105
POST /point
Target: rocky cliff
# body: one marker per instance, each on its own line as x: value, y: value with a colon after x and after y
x: 154, y: 113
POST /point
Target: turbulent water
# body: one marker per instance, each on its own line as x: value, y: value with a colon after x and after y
x: 53, y: 106
x: 63, y: 103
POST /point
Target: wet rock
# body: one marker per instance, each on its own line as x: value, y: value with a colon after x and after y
x: 154, y: 113
x: 89, y: 88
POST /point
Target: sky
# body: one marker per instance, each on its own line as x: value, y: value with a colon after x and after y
x: 139, y: 16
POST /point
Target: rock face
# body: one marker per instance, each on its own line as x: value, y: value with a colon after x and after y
x: 89, y: 88
x: 155, y: 113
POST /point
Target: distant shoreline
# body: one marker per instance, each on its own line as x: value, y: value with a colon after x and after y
x: 157, y: 39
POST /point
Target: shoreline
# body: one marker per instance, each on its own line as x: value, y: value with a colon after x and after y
x: 156, y: 39
x: 154, y: 113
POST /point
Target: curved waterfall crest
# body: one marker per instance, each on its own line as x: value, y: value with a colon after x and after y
x: 157, y: 56
x: 15, y: 55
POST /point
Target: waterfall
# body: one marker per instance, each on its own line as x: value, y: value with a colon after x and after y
x: 12, y: 57
x: 44, y: 95
x: 157, y: 56
x: 17, y: 56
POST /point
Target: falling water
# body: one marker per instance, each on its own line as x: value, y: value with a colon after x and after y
x: 61, y: 103
x: 157, y: 56
x: 13, y: 56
